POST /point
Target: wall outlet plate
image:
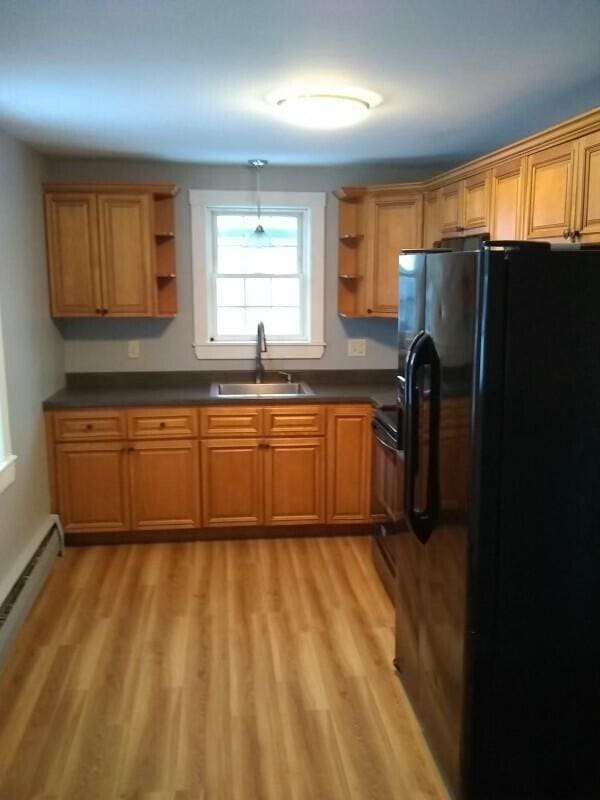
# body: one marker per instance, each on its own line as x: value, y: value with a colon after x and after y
x: 133, y: 348
x: 357, y: 347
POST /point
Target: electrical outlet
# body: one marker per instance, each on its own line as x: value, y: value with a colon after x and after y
x: 357, y: 347
x: 133, y: 348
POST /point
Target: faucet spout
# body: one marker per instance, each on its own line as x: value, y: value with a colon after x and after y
x: 261, y: 347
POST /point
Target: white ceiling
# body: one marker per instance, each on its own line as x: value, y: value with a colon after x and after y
x: 185, y: 79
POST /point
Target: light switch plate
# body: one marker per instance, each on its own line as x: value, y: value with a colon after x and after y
x: 133, y: 348
x: 357, y: 347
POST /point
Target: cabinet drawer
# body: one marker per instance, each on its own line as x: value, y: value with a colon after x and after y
x: 290, y: 420
x: 231, y: 421
x: 96, y: 425
x: 159, y: 423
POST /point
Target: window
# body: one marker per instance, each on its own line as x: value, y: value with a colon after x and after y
x: 236, y: 285
x: 7, y: 459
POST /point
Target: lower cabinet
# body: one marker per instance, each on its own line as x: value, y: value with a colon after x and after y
x: 92, y: 486
x: 164, y: 483
x: 232, y: 482
x: 294, y: 472
x: 117, y: 470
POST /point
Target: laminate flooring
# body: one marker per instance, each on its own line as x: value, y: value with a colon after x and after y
x: 238, y: 670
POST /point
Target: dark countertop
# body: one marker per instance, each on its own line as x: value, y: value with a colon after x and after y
x: 97, y: 390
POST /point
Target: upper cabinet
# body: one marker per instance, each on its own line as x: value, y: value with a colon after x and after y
x: 432, y: 231
x: 373, y: 229
x: 549, y: 208
x: 507, y: 189
x: 465, y: 206
x: 587, y: 215
x: 111, y: 250
x: 395, y: 225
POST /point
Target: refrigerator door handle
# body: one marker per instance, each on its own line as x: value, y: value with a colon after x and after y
x: 422, y: 353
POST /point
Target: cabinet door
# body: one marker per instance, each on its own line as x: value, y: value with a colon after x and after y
x: 431, y: 218
x: 508, y: 182
x: 451, y: 208
x: 550, y: 181
x: 93, y: 486
x: 476, y: 204
x: 164, y: 477
x: 294, y: 486
x: 396, y: 224
x: 348, y: 463
x: 73, y: 261
x: 232, y: 483
x: 588, y: 189
x: 126, y: 255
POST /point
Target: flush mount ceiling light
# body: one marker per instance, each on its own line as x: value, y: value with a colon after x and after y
x: 324, y: 108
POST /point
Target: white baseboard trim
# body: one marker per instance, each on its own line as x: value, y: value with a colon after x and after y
x: 17, y: 568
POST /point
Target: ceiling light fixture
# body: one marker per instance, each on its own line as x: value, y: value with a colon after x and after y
x: 324, y: 108
x: 259, y: 237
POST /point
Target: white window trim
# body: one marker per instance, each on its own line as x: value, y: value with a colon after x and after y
x: 202, y: 201
x: 7, y: 465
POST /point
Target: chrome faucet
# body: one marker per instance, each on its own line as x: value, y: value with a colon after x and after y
x: 261, y: 347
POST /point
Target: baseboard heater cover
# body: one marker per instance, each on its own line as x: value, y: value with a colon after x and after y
x: 24, y: 591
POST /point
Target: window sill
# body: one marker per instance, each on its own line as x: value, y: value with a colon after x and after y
x: 243, y: 351
x: 7, y: 473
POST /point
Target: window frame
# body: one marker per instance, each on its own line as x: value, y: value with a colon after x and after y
x: 312, y: 207
x: 7, y: 457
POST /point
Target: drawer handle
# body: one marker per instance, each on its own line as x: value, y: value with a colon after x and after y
x: 162, y: 425
x: 89, y: 426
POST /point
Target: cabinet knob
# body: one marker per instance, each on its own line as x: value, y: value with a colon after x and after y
x: 575, y: 234
x: 369, y: 310
x: 98, y: 311
x: 89, y: 426
x: 566, y: 233
x: 162, y: 425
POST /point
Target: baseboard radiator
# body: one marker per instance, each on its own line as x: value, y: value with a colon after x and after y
x: 25, y: 589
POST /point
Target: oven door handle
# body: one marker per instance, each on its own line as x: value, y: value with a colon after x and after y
x: 422, y: 353
x: 387, y: 446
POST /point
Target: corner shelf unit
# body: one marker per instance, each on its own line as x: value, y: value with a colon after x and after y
x: 165, y: 265
x: 350, y: 250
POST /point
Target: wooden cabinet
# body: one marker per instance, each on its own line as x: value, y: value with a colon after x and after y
x: 508, y: 185
x: 476, y: 204
x: 232, y: 484
x: 168, y: 468
x: 125, y: 255
x: 276, y: 479
x: 374, y: 228
x: 73, y: 257
x: 432, y: 231
x: 164, y: 482
x: 293, y: 481
x: 108, y: 254
x: 465, y: 206
x: 450, y: 209
x: 395, y: 225
x: 587, y: 215
x: 348, y: 463
x: 549, y: 208
x: 93, y: 486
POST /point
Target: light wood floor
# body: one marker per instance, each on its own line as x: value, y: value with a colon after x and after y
x: 211, y: 671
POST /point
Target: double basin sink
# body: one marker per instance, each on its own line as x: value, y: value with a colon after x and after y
x: 229, y: 390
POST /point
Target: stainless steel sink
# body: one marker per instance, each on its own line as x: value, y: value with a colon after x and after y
x: 260, y: 389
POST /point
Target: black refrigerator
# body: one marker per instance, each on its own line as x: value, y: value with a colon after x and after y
x: 498, y: 573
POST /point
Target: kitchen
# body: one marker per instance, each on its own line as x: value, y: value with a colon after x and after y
x: 232, y: 614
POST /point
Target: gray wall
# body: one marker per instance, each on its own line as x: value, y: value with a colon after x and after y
x: 101, y: 345
x: 33, y: 347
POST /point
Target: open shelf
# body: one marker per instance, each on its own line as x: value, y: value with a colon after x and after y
x: 165, y: 264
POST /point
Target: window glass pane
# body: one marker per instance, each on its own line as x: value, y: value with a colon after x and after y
x: 231, y: 259
x: 234, y: 256
x: 272, y: 260
x: 258, y: 291
x: 256, y: 315
x: 286, y: 292
x: 285, y: 322
x: 231, y: 322
x: 230, y: 292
